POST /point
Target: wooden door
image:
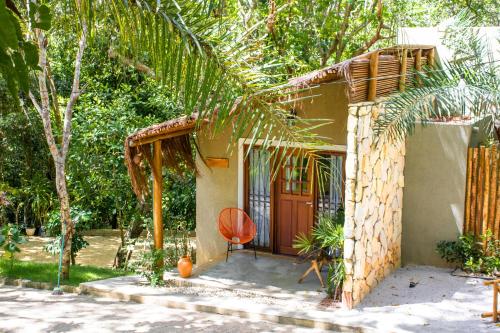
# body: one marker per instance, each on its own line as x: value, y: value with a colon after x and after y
x: 295, y: 209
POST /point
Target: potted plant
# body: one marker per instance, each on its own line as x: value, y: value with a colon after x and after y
x: 182, y: 250
x: 30, y: 229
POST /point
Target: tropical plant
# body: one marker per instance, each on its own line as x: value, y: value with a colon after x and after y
x: 467, y: 86
x: 326, y: 241
x: 469, y: 252
x: 80, y: 218
x: 10, y: 238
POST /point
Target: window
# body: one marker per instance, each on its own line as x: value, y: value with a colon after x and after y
x: 259, y: 194
x: 330, y: 183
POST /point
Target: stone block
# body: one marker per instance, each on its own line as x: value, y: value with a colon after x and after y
x: 352, y: 124
x: 347, y: 286
x: 348, y: 248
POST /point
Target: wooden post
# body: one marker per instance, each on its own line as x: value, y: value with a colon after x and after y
x: 495, y: 302
x: 496, y: 290
x: 418, y: 65
x: 493, y: 190
x: 473, y: 191
x: 431, y: 58
x: 157, y: 190
x: 467, y: 226
x: 480, y: 189
x: 402, y: 70
x: 372, y: 84
x: 486, y: 194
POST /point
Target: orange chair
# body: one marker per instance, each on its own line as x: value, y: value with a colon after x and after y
x: 237, y: 228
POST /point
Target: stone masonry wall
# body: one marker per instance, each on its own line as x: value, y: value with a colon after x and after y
x: 373, y: 204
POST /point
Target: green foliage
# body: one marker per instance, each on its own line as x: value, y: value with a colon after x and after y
x: 18, y: 56
x: 81, y: 219
x: 10, y: 238
x: 327, y: 234
x: 327, y: 241
x: 148, y: 267
x: 468, y: 252
x: 335, y: 278
x: 47, y: 272
x: 467, y: 86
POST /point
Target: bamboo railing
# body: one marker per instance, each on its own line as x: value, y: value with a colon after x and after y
x: 482, y: 198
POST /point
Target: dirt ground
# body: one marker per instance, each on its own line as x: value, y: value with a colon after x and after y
x: 100, y: 252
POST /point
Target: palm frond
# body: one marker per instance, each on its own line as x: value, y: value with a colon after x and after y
x: 210, y: 67
x: 467, y: 87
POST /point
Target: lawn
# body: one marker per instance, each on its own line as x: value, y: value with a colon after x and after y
x: 47, y: 272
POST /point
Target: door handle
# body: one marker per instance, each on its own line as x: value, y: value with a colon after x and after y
x: 309, y: 203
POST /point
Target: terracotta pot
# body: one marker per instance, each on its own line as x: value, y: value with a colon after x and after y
x: 30, y: 231
x: 185, y: 266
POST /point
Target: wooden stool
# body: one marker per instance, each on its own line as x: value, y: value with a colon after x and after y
x: 496, y: 290
x: 316, y: 265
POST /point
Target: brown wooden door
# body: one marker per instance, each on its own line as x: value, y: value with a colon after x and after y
x: 295, y: 209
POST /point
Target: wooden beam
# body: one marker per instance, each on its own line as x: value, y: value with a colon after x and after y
x: 431, y: 58
x: 486, y: 196
x: 480, y: 192
x: 372, y: 84
x: 467, y: 224
x: 475, y: 166
x: 150, y: 139
x: 493, y: 190
x: 418, y: 65
x: 157, y: 191
x: 402, y: 70
x: 213, y: 162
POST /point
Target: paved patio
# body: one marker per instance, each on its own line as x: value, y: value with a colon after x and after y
x: 266, y: 289
x: 33, y: 311
x: 270, y: 276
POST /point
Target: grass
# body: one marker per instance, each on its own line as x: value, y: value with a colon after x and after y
x: 47, y: 272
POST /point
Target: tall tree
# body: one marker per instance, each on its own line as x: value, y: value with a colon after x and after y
x: 42, y: 103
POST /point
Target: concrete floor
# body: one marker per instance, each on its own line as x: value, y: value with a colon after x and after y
x: 438, y: 303
x: 270, y: 275
x: 30, y: 310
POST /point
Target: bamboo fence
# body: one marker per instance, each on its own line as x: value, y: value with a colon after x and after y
x: 482, y: 199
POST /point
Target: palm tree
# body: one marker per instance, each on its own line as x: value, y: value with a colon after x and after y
x: 467, y: 86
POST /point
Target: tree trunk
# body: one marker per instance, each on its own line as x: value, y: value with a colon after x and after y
x: 124, y: 252
x: 59, y: 154
x: 67, y: 227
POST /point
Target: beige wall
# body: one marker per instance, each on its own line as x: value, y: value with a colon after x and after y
x: 329, y: 102
x: 217, y: 188
x: 373, y: 207
x: 434, y: 194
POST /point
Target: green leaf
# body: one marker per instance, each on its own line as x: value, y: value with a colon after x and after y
x: 42, y: 18
x: 30, y: 54
x: 8, y: 35
x: 22, y: 71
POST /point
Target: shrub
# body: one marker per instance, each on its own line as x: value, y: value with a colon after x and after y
x: 468, y: 252
x: 10, y: 237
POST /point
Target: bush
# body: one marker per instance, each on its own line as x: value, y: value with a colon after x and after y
x: 80, y: 218
x: 467, y: 251
x: 10, y: 237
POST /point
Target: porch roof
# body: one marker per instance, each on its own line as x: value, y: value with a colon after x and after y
x: 168, y: 129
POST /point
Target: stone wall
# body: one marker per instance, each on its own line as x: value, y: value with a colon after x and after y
x: 373, y: 206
